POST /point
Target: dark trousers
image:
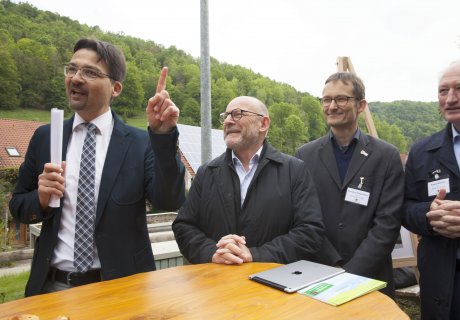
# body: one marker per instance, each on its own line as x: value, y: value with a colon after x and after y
x: 455, y: 309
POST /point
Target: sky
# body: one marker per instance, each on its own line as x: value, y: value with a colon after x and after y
x: 398, y: 47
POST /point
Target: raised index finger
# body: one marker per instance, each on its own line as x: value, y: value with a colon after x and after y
x: 162, y: 81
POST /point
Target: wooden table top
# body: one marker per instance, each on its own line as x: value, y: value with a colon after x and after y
x: 205, y: 291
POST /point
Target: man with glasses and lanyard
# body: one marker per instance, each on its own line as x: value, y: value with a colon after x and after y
x: 360, y: 185
x: 252, y: 203
x: 99, y: 231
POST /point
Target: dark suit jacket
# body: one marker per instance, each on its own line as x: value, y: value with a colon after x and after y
x: 136, y: 168
x: 436, y: 255
x: 359, y: 237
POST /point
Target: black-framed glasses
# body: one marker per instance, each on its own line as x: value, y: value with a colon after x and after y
x: 237, y: 114
x: 340, y: 101
x: 86, y: 73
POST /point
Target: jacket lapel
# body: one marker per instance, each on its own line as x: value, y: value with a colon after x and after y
x: 442, y: 147
x: 222, y: 169
x: 67, y: 132
x: 326, y: 154
x: 116, y: 153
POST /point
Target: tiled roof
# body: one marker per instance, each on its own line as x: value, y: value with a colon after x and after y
x: 187, y: 165
x: 15, y: 134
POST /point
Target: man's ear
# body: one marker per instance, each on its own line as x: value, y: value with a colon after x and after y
x: 362, y: 104
x: 116, y: 89
x: 265, y: 124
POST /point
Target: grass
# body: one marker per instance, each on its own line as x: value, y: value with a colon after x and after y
x: 139, y: 121
x: 12, y: 286
x: 26, y: 114
x: 410, y: 306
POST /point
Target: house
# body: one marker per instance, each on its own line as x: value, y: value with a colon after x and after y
x: 190, y: 148
x: 14, y: 140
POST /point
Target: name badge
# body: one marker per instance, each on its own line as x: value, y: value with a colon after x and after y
x: 436, y: 185
x: 357, y: 196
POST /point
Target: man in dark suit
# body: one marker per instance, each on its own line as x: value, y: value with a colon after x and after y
x: 360, y: 185
x: 129, y: 166
x: 432, y: 205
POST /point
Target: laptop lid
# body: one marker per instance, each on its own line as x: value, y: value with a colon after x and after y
x: 296, y: 275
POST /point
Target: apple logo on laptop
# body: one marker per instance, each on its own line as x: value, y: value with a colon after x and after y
x: 297, y: 272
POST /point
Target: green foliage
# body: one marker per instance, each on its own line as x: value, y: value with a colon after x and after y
x: 287, y: 131
x: 129, y: 103
x: 416, y: 120
x: 9, y: 75
x: 9, y: 175
x: 35, y: 44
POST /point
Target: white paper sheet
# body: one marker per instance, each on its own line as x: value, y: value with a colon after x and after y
x: 57, y: 120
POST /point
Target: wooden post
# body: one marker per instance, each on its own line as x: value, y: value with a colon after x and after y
x: 344, y: 65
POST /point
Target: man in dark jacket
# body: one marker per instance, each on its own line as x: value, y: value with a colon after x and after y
x: 432, y: 205
x: 99, y: 230
x: 252, y: 203
x: 361, y: 182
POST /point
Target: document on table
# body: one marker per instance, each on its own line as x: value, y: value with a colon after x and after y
x: 57, y: 122
x: 342, y: 288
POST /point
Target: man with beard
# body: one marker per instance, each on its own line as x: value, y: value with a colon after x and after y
x: 252, y: 203
x: 99, y: 232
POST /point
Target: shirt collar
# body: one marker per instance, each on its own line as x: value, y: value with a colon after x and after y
x: 255, y: 158
x: 455, y: 134
x: 355, y: 137
x: 102, y: 122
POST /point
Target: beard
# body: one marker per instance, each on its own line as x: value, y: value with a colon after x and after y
x: 243, y: 140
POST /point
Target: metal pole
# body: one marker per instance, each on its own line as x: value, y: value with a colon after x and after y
x: 206, y: 146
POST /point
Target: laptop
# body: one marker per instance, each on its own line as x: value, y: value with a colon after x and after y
x: 296, y: 275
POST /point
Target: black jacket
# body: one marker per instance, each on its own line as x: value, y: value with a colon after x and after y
x: 280, y: 218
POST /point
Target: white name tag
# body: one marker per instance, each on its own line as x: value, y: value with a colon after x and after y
x: 436, y: 185
x: 357, y: 196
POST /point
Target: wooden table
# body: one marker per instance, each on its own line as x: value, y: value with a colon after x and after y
x: 206, y: 291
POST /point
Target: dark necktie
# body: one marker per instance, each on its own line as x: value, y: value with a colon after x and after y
x: 86, y: 205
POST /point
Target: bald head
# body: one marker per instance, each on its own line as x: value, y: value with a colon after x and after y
x: 249, y: 103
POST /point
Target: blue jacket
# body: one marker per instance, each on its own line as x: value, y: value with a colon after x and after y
x: 436, y: 255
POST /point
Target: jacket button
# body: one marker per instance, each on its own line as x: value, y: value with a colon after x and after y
x: 341, y: 225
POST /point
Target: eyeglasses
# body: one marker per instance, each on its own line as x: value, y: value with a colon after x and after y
x: 237, y: 114
x: 86, y: 73
x: 340, y: 101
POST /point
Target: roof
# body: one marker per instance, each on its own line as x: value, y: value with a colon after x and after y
x: 190, y: 145
x: 15, y: 134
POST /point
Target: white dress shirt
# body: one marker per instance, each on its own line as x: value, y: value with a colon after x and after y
x: 63, y: 253
x: 246, y: 176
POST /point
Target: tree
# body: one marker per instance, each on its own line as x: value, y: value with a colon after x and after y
x: 9, y: 75
x: 287, y: 130
x: 129, y: 102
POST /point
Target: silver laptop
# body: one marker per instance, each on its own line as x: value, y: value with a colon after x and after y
x: 295, y: 276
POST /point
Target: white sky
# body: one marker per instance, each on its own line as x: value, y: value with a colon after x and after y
x: 398, y: 47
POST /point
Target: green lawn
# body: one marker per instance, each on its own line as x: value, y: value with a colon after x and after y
x: 139, y: 121
x: 12, y: 286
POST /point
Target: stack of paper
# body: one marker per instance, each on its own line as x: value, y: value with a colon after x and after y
x: 342, y: 288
